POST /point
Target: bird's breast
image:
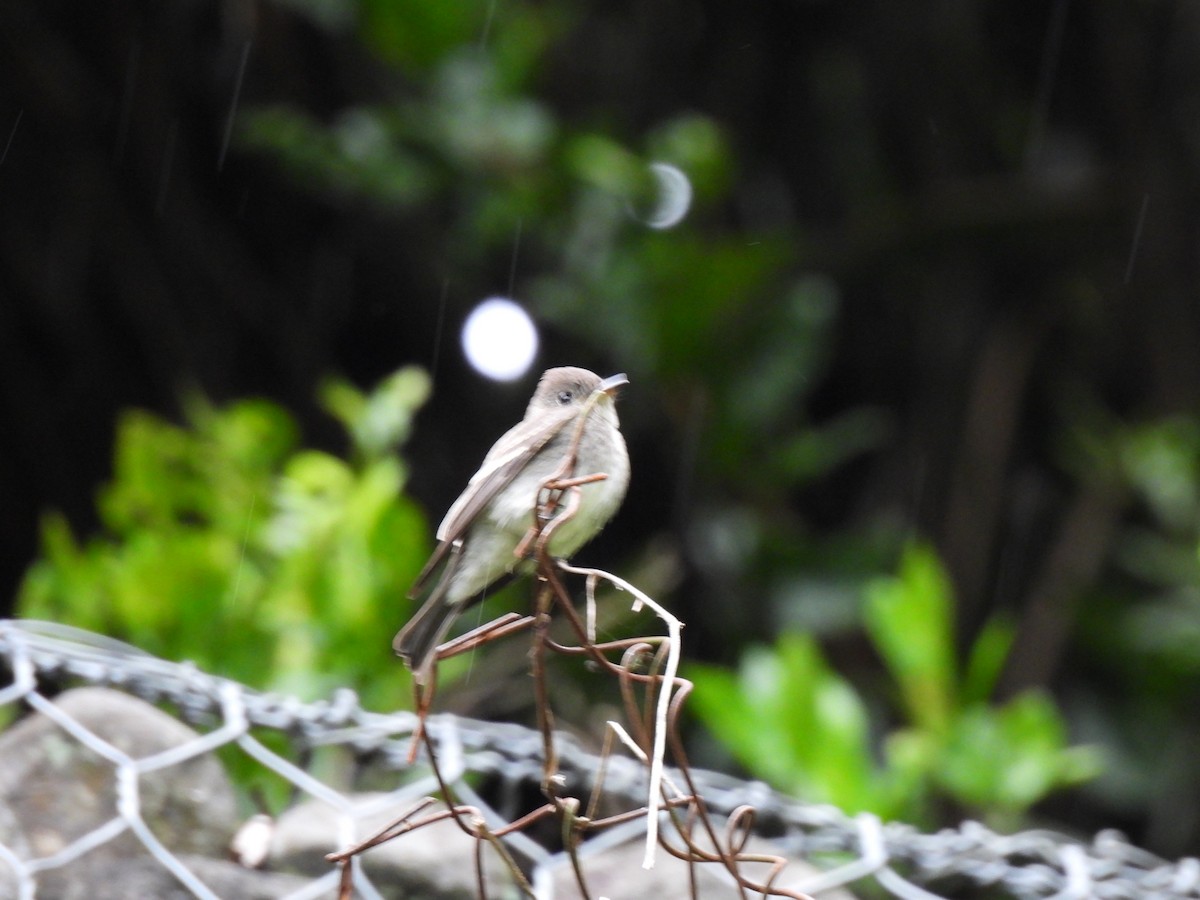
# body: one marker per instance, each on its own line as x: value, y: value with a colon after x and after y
x: 600, y: 451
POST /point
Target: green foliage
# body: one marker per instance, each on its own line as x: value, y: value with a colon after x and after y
x: 226, y: 543
x: 794, y: 722
x: 1139, y: 627
x: 1146, y: 622
x: 1160, y: 464
x: 789, y: 718
x: 355, y: 156
x: 413, y: 34
x: 909, y: 619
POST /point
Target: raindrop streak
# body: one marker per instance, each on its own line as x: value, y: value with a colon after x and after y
x: 1046, y: 75
x: 437, y: 331
x: 12, y: 134
x: 164, y: 178
x: 499, y: 339
x: 512, y: 265
x: 241, y: 564
x: 1137, y: 237
x: 487, y: 24
x: 237, y: 93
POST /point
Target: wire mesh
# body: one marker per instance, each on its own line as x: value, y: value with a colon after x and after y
x: 850, y: 851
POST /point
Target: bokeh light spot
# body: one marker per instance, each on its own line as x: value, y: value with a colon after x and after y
x: 672, y: 196
x: 499, y: 339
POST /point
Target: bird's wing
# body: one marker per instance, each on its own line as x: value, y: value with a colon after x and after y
x: 508, y: 456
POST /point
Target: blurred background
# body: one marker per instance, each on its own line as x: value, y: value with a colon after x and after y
x: 907, y: 295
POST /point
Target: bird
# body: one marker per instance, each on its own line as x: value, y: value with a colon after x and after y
x: 481, y: 532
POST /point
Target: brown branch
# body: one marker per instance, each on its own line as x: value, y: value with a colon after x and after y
x: 651, y: 699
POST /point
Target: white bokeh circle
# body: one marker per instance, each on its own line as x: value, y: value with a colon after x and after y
x: 499, y: 339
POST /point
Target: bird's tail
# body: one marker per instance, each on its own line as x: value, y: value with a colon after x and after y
x: 417, y: 642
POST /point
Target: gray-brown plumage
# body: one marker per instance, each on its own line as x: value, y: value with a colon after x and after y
x: 481, y: 531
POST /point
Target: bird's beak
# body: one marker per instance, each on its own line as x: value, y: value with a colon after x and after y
x: 613, y: 383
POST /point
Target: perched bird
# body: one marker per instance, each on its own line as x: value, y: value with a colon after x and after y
x: 478, y: 537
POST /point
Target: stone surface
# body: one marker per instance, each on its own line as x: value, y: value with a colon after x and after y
x: 12, y: 837
x: 105, y: 878
x: 437, y: 862
x: 58, y: 789
x: 55, y: 789
x: 617, y: 874
x: 434, y: 862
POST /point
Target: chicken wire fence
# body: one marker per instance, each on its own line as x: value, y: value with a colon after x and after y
x: 856, y: 852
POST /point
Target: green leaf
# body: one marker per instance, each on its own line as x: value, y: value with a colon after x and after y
x: 910, y: 619
x: 414, y: 34
x: 794, y: 722
x: 986, y: 661
x: 292, y: 559
x: 381, y: 421
x: 1005, y: 760
x: 606, y: 164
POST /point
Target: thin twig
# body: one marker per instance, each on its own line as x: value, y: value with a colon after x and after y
x: 674, y: 626
x: 654, y: 719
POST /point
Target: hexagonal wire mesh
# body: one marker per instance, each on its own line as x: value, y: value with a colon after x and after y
x: 41, y: 657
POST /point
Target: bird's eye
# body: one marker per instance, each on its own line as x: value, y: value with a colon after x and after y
x: 565, y: 397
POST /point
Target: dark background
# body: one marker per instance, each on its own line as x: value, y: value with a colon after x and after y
x: 1000, y: 197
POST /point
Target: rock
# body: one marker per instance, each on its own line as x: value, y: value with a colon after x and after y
x: 617, y: 874
x: 55, y: 788
x: 434, y: 862
x: 59, y: 789
x: 105, y: 878
x: 437, y: 861
x: 13, y: 839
